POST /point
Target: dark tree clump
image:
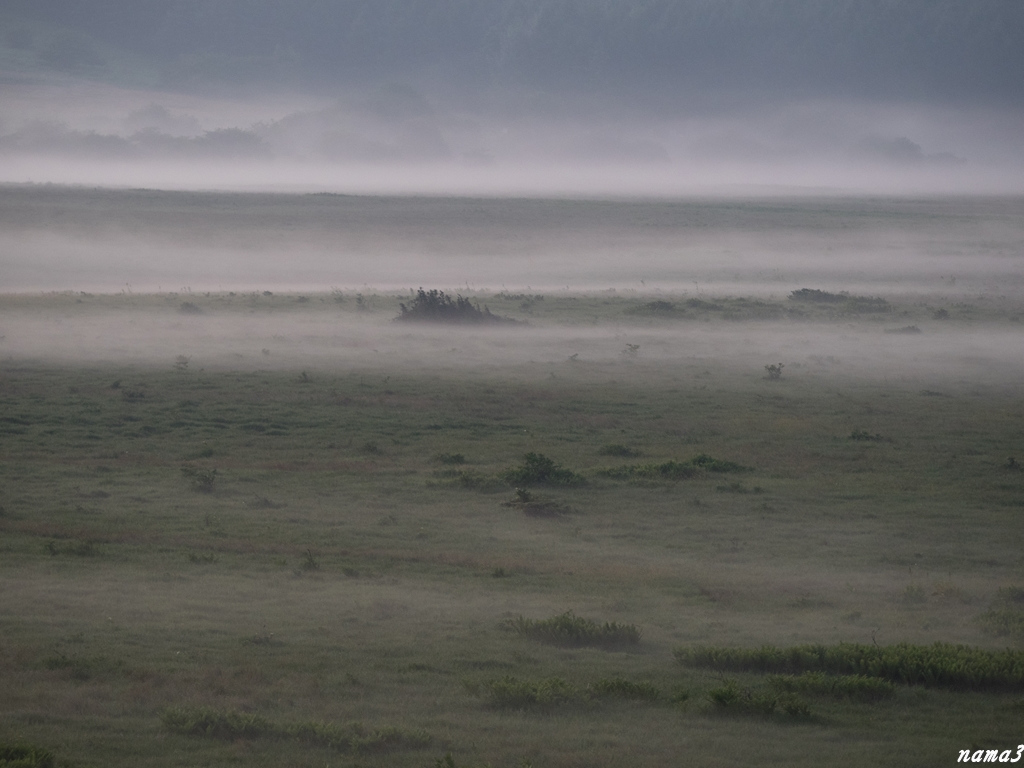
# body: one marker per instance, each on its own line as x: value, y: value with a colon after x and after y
x: 436, y: 306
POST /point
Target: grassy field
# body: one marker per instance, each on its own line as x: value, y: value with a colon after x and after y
x: 284, y: 530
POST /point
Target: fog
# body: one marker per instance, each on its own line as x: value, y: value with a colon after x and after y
x: 944, y: 356
x: 524, y: 97
x: 670, y: 148
x: 57, y: 239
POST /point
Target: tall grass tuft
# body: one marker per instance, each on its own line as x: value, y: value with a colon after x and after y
x: 571, y: 630
x: 941, y: 664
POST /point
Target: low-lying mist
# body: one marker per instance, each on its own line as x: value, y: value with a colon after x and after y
x: 57, y: 239
x: 398, y: 139
x: 596, y: 334
x: 925, y: 287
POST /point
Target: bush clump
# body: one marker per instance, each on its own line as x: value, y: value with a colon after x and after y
x: 538, y: 469
x: 571, y: 630
x: 355, y: 737
x: 941, y: 664
x: 436, y: 306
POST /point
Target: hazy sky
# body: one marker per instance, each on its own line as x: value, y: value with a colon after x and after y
x: 515, y: 95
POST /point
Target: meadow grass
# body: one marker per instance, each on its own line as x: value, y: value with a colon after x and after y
x: 285, y: 545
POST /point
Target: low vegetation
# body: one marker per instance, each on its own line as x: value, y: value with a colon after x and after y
x: 959, y: 667
x: 843, y: 300
x: 673, y: 470
x: 533, y: 506
x: 229, y: 725
x: 14, y: 755
x: 516, y: 693
x: 734, y: 699
x: 857, y: 687
x: 570, y: 630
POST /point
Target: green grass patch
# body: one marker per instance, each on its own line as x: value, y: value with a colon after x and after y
x: 1005, y: 618
x: 734, y: 699
x: 856, y: 687
x: 229, y: 725
x: 511, y: 692
x: 941, y: 664
x: 25, y: 756
x: 621, y: 688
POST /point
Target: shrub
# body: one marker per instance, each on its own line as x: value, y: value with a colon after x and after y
x: 774, y: 372
x: 568, y: 629
x: 438, y: 307
x: 538, y: 469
